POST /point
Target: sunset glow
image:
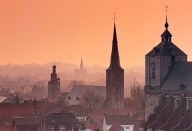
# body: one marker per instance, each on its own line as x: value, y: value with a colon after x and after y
x: 41, y: 31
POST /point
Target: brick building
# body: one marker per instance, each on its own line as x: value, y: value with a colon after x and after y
x: 168, y: 92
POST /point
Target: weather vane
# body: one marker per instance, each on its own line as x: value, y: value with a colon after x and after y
x: 114, y: 17
x: 166, y: 10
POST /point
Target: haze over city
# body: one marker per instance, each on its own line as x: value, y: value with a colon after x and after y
x: 42, y: 31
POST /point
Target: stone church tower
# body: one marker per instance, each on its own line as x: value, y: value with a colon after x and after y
x: 158, y: 63
x: 115, y: 78
x: 54, y: 86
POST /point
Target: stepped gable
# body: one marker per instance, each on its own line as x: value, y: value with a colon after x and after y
x: 179, y: 77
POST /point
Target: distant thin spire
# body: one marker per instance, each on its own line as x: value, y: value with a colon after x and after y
x: 81, y: 64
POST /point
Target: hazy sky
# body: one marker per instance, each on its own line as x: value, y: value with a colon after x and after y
x: 41, y: 31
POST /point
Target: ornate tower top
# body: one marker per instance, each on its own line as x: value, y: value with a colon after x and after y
x: 54, y: 69
x: 166, y: 36
x: 115, y: 61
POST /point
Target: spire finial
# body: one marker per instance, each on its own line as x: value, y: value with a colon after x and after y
x: 114, y: 17
x: 166, y: 23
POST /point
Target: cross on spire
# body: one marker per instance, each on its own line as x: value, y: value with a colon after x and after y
x: 166, y: 10
x: 166, y: 23
x: 114, y: 17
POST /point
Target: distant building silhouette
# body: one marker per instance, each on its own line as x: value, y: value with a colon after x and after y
x: 115, y: 78
x: 80, y: 73
x: 54, y: 86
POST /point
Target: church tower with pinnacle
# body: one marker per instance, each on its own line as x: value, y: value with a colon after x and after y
x: 158, y: 63
x: 115, y: 78
x: 54, y: 86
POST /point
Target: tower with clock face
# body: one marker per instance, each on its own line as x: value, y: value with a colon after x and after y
x: 115, y: 78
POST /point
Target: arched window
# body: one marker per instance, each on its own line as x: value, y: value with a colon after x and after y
x: 189, y: 103
x: 177, y: 102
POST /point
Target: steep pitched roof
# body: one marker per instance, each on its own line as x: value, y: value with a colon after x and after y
x: 18, y: 110
x: 61, y: 118
x: 118, y: 120
x: 164, y: 49
x: 180, y: 74
x: 78, y: 90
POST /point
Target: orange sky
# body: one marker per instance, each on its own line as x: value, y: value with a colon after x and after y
x: 41, y: 31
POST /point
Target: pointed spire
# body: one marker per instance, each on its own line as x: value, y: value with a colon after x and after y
x: 81, y: 64
x: 115, y: 62
x: 115, y: 52
x: 166, y: 24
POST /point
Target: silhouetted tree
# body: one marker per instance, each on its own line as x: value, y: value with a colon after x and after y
x: 90, y: 100
x: 137, y: 96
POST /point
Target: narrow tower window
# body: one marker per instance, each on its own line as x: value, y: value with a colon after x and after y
x: 153, y: 72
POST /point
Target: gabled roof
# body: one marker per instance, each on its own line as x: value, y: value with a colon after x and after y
x: 115, y: 128
x: 78, y: 90
x: 164, y: 49
x: 118, y: 120
x: 180, y: 74
x: 61, y: 118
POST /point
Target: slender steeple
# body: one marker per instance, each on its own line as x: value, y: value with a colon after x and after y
x: 81, y: 64
x: 115, y: 62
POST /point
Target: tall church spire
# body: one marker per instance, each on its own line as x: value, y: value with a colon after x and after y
x: 115, y: 78
x: 115, y: 52
x: 115, y: 62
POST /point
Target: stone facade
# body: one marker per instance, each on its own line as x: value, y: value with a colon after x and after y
x: 151, y: 101
x: 115, y: 88
x: 115, y: 78
x: 158, y: 63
